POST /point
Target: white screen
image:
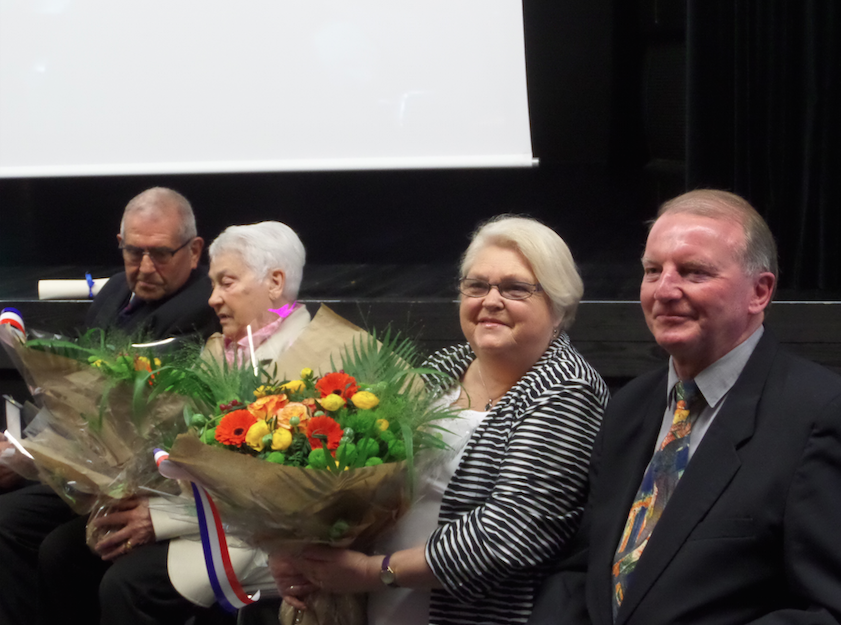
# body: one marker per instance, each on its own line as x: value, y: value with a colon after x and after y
x: 98, y: 87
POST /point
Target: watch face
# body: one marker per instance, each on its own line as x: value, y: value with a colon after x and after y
x: 387, y: 577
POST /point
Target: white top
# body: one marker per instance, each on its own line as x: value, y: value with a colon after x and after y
x: 408, y: 606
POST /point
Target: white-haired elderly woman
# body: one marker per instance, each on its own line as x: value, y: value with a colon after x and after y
x: 476, y: 548
x: 256, y: 272
x: 152, y: 566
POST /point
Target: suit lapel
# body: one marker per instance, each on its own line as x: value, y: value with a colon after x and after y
x: 711, y: 469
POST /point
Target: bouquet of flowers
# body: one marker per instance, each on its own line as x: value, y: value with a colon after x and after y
x: 329, y: 457
x: 105, y: 405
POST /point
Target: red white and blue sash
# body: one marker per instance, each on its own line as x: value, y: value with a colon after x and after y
x: 227, y: 588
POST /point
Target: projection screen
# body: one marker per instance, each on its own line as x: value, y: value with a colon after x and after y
x: 101, y: 87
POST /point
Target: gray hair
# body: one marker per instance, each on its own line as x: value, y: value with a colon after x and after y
x: 159, y: 200
x: 546, y: 252
x: 760, y: 251
x: 264, y: 247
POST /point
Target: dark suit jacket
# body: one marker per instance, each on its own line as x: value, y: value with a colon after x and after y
x: 752, y: 533
x: 184, y: 312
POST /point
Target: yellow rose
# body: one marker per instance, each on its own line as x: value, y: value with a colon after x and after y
x: 332, y: 402
x: 365, y: 400
x: 382, y: 424
x: 255, y: 434
x: 306, y: 372
x: 293, y: 386
x: 281, y: 439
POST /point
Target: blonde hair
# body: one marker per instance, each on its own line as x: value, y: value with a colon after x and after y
x: 546, y: 252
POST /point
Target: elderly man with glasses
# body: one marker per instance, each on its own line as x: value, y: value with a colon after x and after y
x: 163, y: 290
x: 162, y: 293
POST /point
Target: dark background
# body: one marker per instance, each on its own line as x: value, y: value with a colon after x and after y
x: 631, y: 102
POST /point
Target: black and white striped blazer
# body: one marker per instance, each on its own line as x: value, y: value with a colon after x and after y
x: 519, y: 490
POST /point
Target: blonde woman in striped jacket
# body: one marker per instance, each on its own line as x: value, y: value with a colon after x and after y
x: 476, y: 547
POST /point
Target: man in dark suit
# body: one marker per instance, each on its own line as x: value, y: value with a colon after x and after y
x: 724, y: 510
x: 162, y: 293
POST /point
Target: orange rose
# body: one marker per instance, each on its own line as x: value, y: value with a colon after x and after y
x: 268, y: 406
x: 294, y: 409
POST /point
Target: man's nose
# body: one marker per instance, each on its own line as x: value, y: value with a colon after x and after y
x: 668, y: 286
x: 146, y: 264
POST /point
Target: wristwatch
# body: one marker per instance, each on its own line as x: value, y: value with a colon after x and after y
x: 387, y: 574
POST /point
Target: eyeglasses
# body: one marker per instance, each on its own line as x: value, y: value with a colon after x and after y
x: 509, y: 289
x: 158, y: 255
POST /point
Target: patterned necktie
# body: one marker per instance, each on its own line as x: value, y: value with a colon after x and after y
x: 658, y: 484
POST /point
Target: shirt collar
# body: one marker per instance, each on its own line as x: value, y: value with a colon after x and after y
x: 716, y: 380
x: 241, y: 348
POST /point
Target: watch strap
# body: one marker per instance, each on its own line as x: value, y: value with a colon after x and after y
x: 387, y: 574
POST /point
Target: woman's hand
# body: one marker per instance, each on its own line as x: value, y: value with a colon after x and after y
x: 344, y: 571
x: 129, y: 525
x: 291, y: 582
x: 340, y: 570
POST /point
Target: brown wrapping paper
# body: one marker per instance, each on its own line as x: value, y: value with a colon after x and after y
x: 270, y: 505
x: 83, y: 452
x: 324, y: 338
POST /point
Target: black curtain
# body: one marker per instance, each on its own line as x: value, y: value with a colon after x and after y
x: 764, y: 120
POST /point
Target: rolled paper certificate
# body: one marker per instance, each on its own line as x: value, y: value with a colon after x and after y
x: 69, y: 289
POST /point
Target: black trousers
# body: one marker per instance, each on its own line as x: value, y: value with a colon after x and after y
x: 27, y: 516
x: 133, y: 589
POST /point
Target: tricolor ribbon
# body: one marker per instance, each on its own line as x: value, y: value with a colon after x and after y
x: 12, y: 317
x: 227, y: 588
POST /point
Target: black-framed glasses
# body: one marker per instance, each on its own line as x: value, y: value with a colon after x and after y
x: 158, y: 255
x: 509, y: 289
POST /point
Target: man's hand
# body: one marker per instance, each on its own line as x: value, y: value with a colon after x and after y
x: 8, y: 478
x: 130, y: 525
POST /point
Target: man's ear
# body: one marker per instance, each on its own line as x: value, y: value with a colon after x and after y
x: 196, y: 247
x: 277, y: 280
x: 119, y: 240
x: 763, y: 290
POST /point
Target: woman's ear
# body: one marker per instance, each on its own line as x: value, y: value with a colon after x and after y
x: 277, y: 280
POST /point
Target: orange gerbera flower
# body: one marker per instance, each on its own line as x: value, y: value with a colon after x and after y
x: 338, y: 383
x: 326, y: 426
x: 234, y: 426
